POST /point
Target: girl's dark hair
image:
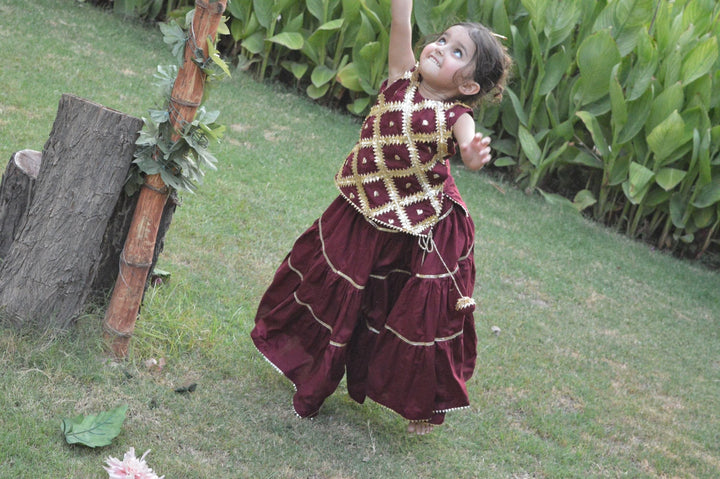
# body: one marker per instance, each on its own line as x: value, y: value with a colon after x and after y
x: 489, y: 65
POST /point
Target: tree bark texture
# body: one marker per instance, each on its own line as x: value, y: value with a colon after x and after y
x: 49, y: 268
x: 15, y: 193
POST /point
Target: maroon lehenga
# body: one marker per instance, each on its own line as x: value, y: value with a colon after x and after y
x: 352, y: 296
x: 356, y: 295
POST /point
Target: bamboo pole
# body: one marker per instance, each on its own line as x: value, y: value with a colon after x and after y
x: 136, y: 258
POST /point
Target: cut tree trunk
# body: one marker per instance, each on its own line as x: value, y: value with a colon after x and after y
x: 15, y: 193
x: 50, y: 265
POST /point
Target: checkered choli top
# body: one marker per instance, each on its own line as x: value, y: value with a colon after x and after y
x: 395, y: 173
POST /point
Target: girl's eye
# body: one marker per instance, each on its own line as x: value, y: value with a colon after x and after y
x: 457, y: 53
x: 441, y: 41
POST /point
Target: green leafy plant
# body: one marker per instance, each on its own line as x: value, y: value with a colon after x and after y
x: 612, y: 107
x: 180, y: 155
x: 94, y: 430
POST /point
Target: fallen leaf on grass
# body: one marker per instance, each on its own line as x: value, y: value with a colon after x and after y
x: 95, y: 430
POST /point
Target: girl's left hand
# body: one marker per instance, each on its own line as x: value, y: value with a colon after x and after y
x: 476, y: 152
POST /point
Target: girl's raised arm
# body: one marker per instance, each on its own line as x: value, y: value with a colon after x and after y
x: 400, y: 54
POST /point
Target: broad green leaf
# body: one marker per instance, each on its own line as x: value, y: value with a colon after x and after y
x: 298, y: 69
x: 95, y: 430
x: 700, y: 60
x: 358, y: 106
x: 296, y: 24
x: 504, y: 161
x: 317, y: 8
x: 703, y: 157
x: 350, y: 9
x: 517, y: 106
x: 370, y: 50
x: 317, y: 92
x: 669, y: 100
x: 321, y: 75
x: 655, y: 197
x: 597, y: 56
x: 646, y: 64
x: 557, y: 200
x: 638, y: 183
x: 349, y: 78
x: 618, y: 104
x: 560, y: 20
x: 586, y: 159
x: 700, y: 14
x: 627, y: 40
x: 264, y: 12
x: 529, y: 145
x: 332, y: 25
x: 703, y: 217
x: 254, y: 43
x: 536, y: 9
x: 668, y: 178
x: 678, y: 207
x: 584, y: 199
x: 555, y: 68
x: 667, y: 137
x: 500, y: 20
x: 593, y: 126
x: 638, y: 112
x: 290, y: 40
x: 238, y: 8
x: 620, y: 170
x: 633, y: 13
x: 708, y: 195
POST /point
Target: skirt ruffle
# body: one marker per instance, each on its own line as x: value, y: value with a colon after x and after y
x: 352, y: 297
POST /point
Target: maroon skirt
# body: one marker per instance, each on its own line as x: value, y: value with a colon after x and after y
x: 353, y: 297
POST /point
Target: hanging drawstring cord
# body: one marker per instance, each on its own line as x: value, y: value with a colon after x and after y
x: 427, y: 244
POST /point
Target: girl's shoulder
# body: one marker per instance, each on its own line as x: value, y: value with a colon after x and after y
x: 403, y: 80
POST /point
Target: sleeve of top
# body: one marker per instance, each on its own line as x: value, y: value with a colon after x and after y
x: 451, y: 116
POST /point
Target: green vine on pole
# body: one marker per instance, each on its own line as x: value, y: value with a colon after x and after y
x: 180, y: 162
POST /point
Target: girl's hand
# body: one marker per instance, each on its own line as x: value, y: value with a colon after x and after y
x: 474, y: 148
x: 476, y: 152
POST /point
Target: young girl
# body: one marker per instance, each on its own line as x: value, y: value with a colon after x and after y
x: 381, y: 284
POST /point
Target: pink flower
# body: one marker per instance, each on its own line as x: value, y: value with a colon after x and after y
x: 130, y: 467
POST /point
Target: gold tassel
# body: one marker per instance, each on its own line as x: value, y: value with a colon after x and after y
x: 465, y: 302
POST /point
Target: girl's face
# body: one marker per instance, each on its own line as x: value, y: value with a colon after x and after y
x: 442, y: 63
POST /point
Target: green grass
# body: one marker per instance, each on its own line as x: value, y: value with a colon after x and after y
x: 606, y: 363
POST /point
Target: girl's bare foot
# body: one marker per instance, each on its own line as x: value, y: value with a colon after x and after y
x: 419, y: 427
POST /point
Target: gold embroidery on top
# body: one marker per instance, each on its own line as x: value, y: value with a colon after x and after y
x: 397, y: 202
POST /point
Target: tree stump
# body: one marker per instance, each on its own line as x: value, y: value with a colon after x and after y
x: 15, y: 193
x: 49, y: 268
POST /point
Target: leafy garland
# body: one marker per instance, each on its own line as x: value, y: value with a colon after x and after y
x: 179, y: 163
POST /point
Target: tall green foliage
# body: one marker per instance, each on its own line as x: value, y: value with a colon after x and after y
x: 621, y: 97
x: 614, y: 104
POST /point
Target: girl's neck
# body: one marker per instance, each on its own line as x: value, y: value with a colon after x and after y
x: 430, y: 93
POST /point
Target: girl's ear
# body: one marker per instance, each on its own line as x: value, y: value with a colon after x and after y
x: 469, y: 88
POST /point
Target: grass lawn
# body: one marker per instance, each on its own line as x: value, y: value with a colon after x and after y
x: 607, y: 362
